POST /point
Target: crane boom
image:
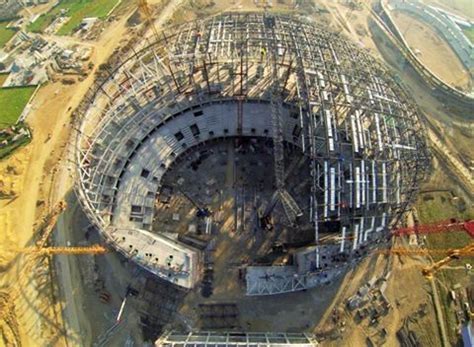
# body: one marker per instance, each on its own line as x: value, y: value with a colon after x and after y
x: 467, y: 251
x: 50, y: 222
x: 94, y: 249
x: 444, y: 226
x: 145, y: 9
x: 451, y: 254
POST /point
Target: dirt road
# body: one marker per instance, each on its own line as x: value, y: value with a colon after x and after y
x: 36, y: 166
x: 68, y: 276
x: 439, y: 313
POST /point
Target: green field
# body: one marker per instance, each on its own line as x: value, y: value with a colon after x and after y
x: 12, y: 102
x: 77, y: 11
x: 469, y: 33
x: 5, y: 34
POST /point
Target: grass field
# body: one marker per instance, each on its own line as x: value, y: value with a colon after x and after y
x: 12, y: 103
x: 469, y: 33
x: 77, y: 11
x: 5, y: 34
x: 440, y: 206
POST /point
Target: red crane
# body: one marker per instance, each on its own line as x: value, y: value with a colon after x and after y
x: 444, y: 226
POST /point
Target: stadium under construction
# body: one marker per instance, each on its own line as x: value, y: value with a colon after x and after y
x: 248, y: 141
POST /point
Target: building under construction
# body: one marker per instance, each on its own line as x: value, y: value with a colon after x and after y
x: 248, y: 141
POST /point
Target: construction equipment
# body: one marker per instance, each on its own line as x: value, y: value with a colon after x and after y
x: 50, y: 221
x: 202, y: 212
x: 32, y: 259
x: 94, y: 249
x: 145, y: 9
x: 291, y: 208
x: 451, y: 225
x: 467, y: 251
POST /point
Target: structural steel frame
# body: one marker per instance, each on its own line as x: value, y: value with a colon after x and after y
x: 362, y: 133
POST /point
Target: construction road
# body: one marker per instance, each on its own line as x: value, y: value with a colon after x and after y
x: 67, y: 269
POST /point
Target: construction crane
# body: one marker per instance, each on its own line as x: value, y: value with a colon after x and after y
x: 451, y: 225
x: 467, y: 251
x: 7, y: 310
x: 201, y: 211
x: 50, y: 221
x: 291, y: 208
x: 146, y: 11
x: 451, y: 254
x: 48, y: 227
x: 94, y: 249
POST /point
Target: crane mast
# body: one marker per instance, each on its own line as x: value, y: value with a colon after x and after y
x: 291, y: 208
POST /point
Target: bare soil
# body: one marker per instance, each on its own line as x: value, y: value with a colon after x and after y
x: 463, y: 8
x: 433, y: 50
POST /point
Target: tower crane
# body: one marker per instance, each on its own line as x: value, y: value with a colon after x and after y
x: 94, y: 249
x: 145, y: 9
x: 467, y: 251
x: 291, y: 208
x: 7, y: 310
x: 201, y: 211
x: 40, y: 249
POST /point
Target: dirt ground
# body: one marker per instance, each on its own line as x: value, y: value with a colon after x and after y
x: 404, y: 304
x: 463, y: 8
x: 433, y: 50
x: 29, y: 172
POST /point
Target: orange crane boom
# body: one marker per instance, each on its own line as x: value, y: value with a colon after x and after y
x: 94, y: 249
x: 51, y: 222
x: 467, y: 251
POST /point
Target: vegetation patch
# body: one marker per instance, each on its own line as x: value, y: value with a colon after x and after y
x: 12, y: 102
x: 442, y: 205
x: 13, y: 138
x: 5, y: 33
x: 76, y: 11
x: 469, y: 33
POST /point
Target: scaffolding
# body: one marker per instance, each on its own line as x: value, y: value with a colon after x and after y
x: 318, y: 92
